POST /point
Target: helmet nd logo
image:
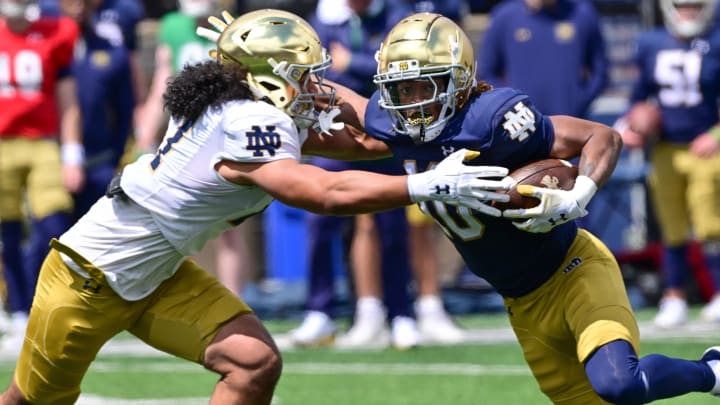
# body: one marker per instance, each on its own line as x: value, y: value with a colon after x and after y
x: 403, y: 66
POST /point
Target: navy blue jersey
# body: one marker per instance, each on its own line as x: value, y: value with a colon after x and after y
x: 105, y: 91
x: 507, y: 130
x: 105, y: 96
x: 556, y: 54
x: 685, y: 78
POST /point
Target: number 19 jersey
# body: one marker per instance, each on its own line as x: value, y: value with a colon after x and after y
x: 31, y: 63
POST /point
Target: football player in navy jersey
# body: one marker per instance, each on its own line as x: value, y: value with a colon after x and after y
x: 563, y: 289
x: 679, y: 67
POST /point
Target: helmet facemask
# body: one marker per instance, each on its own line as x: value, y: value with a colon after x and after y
x: 303, y: 84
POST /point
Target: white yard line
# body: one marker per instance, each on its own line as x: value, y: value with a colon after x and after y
x: 692, y: 331
x: 98, y: 400
x: 100, y: 366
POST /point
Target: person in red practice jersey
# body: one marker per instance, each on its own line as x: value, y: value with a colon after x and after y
x: 38, y: 104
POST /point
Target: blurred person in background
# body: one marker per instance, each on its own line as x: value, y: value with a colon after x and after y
x: 177, y: 46
x: 455, y: 10
x: 303, y: 8
x: 679, y: 73
x: 553, y: 50
x: 378, y: 256
x: 41, y: 149
x: 102, y: 70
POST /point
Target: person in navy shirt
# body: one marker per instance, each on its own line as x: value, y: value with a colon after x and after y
x: 376, y: 245
x: 553, y: 50
x: 102, y: 68
x: 562, y: 288
x: 679, y: 72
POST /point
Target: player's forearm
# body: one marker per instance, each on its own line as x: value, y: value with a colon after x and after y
x: 349, y: 192
x: 597, y: 145
x: 70, y: 122
x: 600, y: 155
x: 345, y: 144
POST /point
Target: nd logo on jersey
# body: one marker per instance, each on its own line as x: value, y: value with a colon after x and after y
x: 259, y: 141
x: 519, y: 122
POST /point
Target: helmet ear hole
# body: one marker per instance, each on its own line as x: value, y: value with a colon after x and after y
x: 269, y: 86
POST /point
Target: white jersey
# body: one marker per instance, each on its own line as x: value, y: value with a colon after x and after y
x: 178, y: 200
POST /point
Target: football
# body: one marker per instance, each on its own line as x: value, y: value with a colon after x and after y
x: 548, y: 173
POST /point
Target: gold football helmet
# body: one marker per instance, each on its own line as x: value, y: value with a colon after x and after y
x: 285, y: 60
x: 430, y: 48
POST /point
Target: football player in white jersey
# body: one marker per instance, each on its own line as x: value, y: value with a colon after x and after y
x: 238, y: 124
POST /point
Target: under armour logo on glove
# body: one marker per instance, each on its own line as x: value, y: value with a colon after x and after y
x: 456, y: 183
x: 556, y: 206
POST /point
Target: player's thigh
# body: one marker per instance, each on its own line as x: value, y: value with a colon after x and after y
x: 704, y: 197
x: 583, y: 306
x: 598, y: 310
x: 15, y: 160
x: 71, y: 318
x: 668, y: 187
x: 45, y: 188
x: 187, y: 312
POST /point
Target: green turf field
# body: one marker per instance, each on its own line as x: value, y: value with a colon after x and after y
x: 474, y: 373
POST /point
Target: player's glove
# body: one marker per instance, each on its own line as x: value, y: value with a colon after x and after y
x: 455, y: 183
x: 556, y: 206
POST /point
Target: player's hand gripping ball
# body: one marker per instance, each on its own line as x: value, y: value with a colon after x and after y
x: 547, y: 173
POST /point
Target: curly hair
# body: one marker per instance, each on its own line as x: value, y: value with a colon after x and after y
x: 204, y: 85
x: 481, y: 87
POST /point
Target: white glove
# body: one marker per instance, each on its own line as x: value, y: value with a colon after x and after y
x: 325, y: 122
x: 455, y: 183
x: 556, y: 206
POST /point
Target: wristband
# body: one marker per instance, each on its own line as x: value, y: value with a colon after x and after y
x: 715, y: 132
x: 584, y: 190
x: 72, y: 153
x: 417, y: 185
